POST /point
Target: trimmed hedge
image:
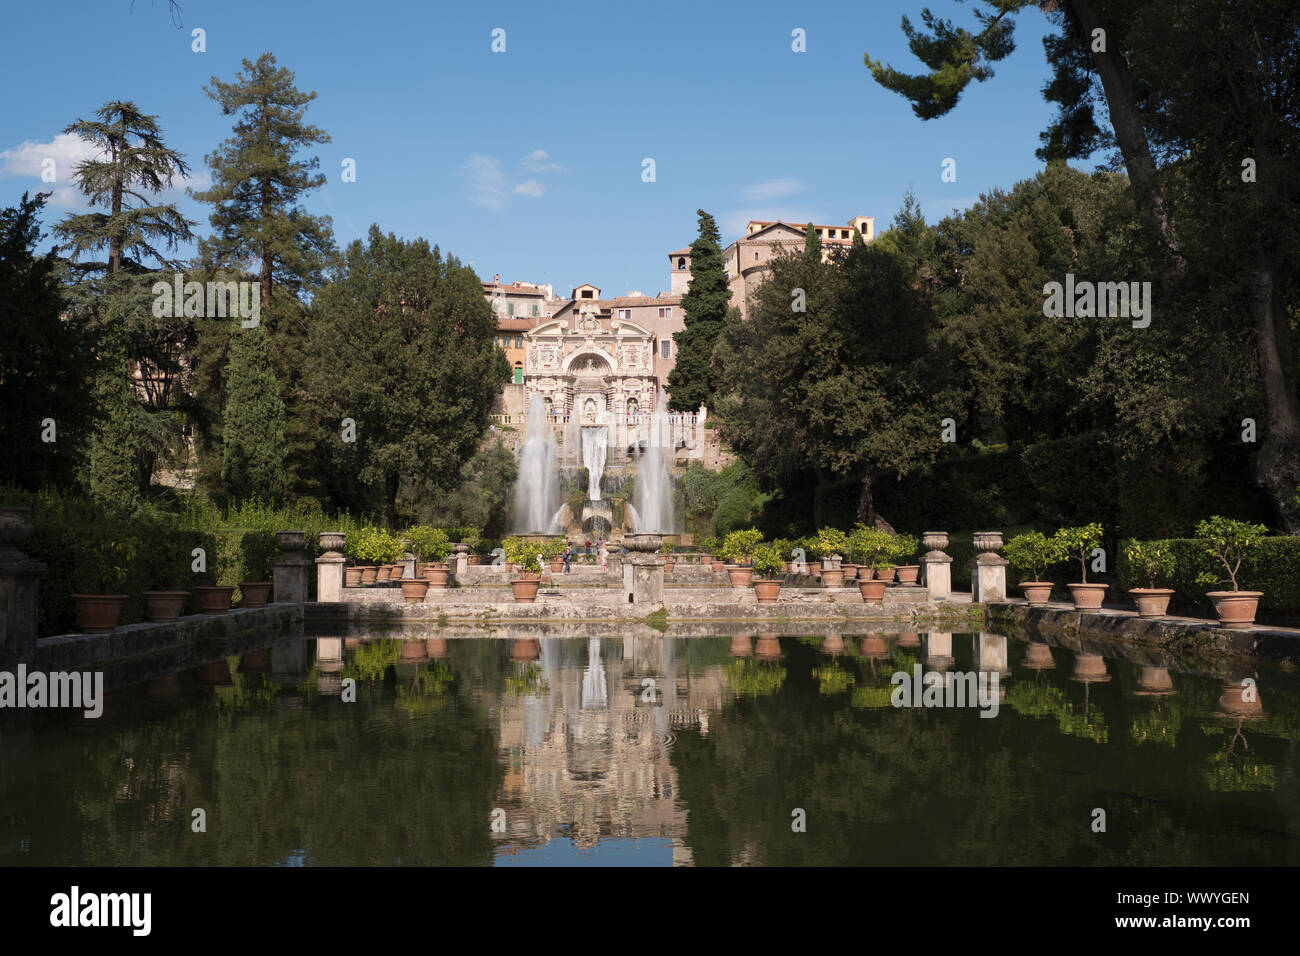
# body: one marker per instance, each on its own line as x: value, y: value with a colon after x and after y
x: 1273, y: 566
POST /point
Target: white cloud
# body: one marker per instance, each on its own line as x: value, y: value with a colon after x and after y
x: 539, y: 161
x: 27, y: 159
x: 484, y: 180
x: 772, y: 189
x: 530, y: 188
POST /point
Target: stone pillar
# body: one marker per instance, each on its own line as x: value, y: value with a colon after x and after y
x: 329, y: 567
x: 643, y: 579
x: 19, y: 590
x: 459, y: 562
x: 329, y: 666
x: 936, y: 566
x: 988, y: 570
x: 292, y: 569
x: 408, y: 566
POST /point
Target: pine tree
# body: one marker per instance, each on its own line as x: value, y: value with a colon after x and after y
x: 253, y: 443
x: 256, y: 193
x: 136, y: 236
x: 115, y: 469
x: 257, y: 183
x: 694, y: 379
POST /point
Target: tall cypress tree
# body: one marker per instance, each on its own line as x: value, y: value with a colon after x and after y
x: 253, y: 441
x: 812, y: 243
x: 258, y: 183
x: 136, y: 236
x: 694, y: 379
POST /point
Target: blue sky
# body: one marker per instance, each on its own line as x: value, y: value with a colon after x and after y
x: 529, y: 162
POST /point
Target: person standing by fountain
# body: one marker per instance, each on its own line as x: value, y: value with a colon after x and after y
x: 568, y: 555
x: 604, y: 557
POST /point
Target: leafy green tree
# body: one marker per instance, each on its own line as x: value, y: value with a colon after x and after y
x: 1219, y: 212
x: 403, y: 344
x: 46, y: 362
x: 253, y: 445
x: 812, y: 243
x: 694, y: 379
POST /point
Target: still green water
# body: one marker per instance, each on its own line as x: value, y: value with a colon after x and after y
x: 653, y: 751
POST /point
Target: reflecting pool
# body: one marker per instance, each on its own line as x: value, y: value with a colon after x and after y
x: 748, y: 749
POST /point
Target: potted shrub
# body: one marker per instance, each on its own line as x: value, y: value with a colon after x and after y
x: 1155, y: 562
x: 103, y: 567
x: 358, y: 550
x: 739, y: 549
x: 667, y: 550
x: 708, y: 548
x: 525, y: 555
x: 1078, y: 544
x: 831, y: 545
x: 168, y: 602
x: 261, y: 550
x: 414, y: 590
x: 431, y: 547
x: 1033, y: 553
x: 903, y: 549
x: 1228, y: 541
x: 767, y: 563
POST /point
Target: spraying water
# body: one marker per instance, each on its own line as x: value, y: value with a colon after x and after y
x: 653, y: 500
x: 593, y: 457
x: 537, y: 489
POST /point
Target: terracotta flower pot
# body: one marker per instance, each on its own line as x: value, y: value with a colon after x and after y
x: 382, y: 572
x: 352, y: 577
x: 719, y: 565
x: 165, y: 605
x: 767, y: 590
x: 669, y: 564
x: 885, y: 574
x: 256, y: 593
x: 414, y: 590
x: 1037, y: 593
x: 908, y: 573
x: 215, y: 599
x: 706, y: 559
x: 437, y: 575
x: 1151, y: 602
x: 1235, y: 608
x: 525, y: 589
x: 873, y: 592
x: 1087, y: 597
x: 740, y: 577
x: 98, y: 613
x: 833, y: 577
x: 369, y: 573
x: 850, y: 572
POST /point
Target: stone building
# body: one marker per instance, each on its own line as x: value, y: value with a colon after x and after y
x: 746, y: 260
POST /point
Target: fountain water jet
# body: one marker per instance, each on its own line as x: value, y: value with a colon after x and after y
x: 653, y: 501
x: 537, y: 489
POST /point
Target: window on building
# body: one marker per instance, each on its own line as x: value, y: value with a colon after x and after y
x: 534, y: 308
x: 681, y: 262
x: 510, y: 309
x: 519, y: 374
x: 663, y: 348
x: 666, y: 312
x: 586, y: 293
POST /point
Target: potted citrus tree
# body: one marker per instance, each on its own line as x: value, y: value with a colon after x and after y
x: 871, y: 547
x: 738, y: 548
x: 902, y: 550
x: 667, y: 549
x: 525, y: 555
x: 1228, y: 541
x: 767, y: 563
x: 708, y: 548
x: 1032, y: 553
x: 1155, y: 562
x: 831, y: 545
x: 1079, y: 542
x: 431, y: 547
